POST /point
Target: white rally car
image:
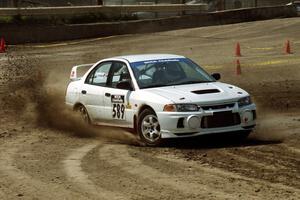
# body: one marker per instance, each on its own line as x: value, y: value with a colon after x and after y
x: 159, y: 96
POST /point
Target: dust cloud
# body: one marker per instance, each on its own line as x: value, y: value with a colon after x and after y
x: 273, y: 127
x: 35, y: 102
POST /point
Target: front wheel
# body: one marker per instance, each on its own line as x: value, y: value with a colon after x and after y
x: 149, y: 128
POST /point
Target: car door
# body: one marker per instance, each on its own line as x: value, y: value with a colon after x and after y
x: 118, y: 108
x: 92, y: 91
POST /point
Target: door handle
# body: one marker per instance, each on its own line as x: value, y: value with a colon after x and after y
x: 83, y: 91
x: 107, y: 94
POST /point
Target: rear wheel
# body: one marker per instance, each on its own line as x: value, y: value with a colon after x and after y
x: 148, y: 128
x: 83, y: 113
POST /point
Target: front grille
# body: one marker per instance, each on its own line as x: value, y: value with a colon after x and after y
x: 215, y: 107
x: 220, y: 119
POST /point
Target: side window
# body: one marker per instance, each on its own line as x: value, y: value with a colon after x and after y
x: 118, y: 73
x: 99, y: 75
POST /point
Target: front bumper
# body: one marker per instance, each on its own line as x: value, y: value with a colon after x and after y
x: 188, y: 124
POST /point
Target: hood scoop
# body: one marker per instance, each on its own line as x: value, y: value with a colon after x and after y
x: 207, y: 91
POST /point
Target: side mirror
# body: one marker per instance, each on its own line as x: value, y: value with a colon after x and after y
x: 216, y: 76
x: 124, y: 85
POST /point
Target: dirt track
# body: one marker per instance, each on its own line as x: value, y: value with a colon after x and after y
x: 53, y: 160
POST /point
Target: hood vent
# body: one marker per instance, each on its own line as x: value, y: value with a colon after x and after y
x: 208, y: 91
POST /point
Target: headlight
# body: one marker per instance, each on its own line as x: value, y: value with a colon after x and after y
x: 245, y: 101
x: 181, y: 108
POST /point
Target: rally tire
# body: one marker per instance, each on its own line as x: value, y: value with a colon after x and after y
x: 148, y: 128
x: 83, y: 114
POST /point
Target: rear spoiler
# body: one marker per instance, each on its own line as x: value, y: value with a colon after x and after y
x: 74, y: 72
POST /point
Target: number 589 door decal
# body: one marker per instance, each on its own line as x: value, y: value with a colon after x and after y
x: 118, y: 111
x: 118, y: 107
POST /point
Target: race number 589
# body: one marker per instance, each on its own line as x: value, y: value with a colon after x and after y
x: 118, y: 111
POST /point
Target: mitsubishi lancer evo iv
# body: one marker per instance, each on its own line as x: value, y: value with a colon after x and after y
x: 159, y: 96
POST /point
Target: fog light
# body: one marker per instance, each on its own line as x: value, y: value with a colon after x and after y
x: 247, y: 116
x: 193, y: 122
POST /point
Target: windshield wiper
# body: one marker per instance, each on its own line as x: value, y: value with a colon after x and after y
x: 154, y: 85
x: 171, y: 84
x: 191, y: 82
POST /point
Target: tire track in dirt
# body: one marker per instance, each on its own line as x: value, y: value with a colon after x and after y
x: 283, y: 149
x: 112, y: 177
x: 275, y: 165
x: 246, y: 160
x: 225, y: 157
x: 272, y: 190
x: 119, y: 156
x: 2, y: 195
x: 18, y: 180
x: 291, y: 148
x: 72, y: 165
x: 267, y: 160
x: 243, y: 162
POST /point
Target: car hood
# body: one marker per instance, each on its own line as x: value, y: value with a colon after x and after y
x: 200, y: 93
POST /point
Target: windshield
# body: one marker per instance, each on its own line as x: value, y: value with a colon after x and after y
x: 167, y: 72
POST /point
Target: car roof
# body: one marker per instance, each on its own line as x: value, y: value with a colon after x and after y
x: 145, y: 57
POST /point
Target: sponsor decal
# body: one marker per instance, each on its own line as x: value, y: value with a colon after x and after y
x: 117, y: 98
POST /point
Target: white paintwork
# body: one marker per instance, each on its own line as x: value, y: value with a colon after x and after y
x: 100, y: 108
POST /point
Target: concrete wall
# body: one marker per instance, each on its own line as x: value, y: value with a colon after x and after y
x: 9, y: 3
x: 69, y: 2
x: 234, y: 4
x: 272, y: 2
x: 229, y: 4
x: 17, y: 34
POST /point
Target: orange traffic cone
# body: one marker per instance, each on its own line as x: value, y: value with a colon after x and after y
x: 238, y: 50
x: 238, y: 67
x: 2, y: 45
x: 287, y: 48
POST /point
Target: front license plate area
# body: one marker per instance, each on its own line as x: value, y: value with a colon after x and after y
x: 220, y: 119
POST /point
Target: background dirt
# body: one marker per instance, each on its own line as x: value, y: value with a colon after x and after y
x: 45, y: 153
